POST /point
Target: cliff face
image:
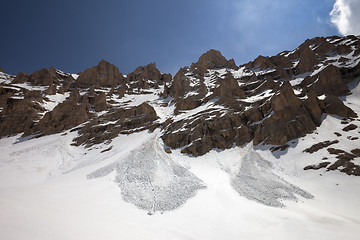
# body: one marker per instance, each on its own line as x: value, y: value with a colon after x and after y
x: 213, y: 104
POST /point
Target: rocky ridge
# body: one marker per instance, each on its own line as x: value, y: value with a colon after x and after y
x: 213, y: 104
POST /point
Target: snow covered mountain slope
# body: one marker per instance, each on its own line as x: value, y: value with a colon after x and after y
x: 268, y: 149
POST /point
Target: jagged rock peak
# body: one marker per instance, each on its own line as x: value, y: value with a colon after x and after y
x: 148, y: 72
x: 145, y: 77
x: 261, y: 62
x: 104, y: 74
x: 149, y: 67
x: 43, y: 77
x: 212, y: 59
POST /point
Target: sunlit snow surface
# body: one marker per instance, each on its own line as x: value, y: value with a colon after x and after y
x: 255, y: 180
x: 151, y: 180
x: 45, y: 192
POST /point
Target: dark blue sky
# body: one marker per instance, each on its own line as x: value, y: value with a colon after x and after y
x: 74, y: 35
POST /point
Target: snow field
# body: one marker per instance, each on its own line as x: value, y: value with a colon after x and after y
x: 70, y: 206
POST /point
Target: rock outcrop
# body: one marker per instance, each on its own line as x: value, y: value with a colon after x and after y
x: 43, y: 77
x: 18, y: 115
x: 64, y: 116
x: 102, y: 75
x: 147, y: 77
x: 117, y: 121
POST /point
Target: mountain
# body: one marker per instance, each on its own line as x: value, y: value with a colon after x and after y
x: 279, y: 132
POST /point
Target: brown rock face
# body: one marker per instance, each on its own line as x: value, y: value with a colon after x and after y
x: 210, y: 60
x: 34, y: 95
x: 288, y: 120
x: 18, y: 116
x: 281, y: 61
x: 64, y: 116
x: 65, y: 87
x: 5, y: 94
x: 261, y: 62
x: 141, y: 76
x: 121, y: 91
x: 312, y: 105
x: 328, y: 81
x: 166, y: 91
x: 187, y: 103
x: 98, y: 101
x: 206, y: 131
x: 51, y: 90
x: 21, y: 78
x: 307, y: 61
x: 180, y: 85
x: 229, y: 88
x: 102, y: 75
x: 43, y: 77
x: 127, y: 121
x: 333, y: 105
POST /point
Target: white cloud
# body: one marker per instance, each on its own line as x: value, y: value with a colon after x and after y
x: 345, y: 15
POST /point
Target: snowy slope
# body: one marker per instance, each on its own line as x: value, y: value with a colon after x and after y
x: 134, y: 186
x: 38, y: 202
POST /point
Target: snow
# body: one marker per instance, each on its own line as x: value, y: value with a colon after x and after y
x: 260, y: 72
x: 54, y: 100
x: 320, y: 67
x: 130, y: 100
x: 299, y: 78
x: 209, y: 106
x: 313, y: 47
x: 6, y: 78
x: 265, y: 94
x: 193, y: 80
x: 289, y: 53
x: 75, y: 76
x: 210, y: 79
x: 322, y: 97
x: 163, y: 108
x: 149, y: 178
x: 29, y: 86
x: 241, y: 72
